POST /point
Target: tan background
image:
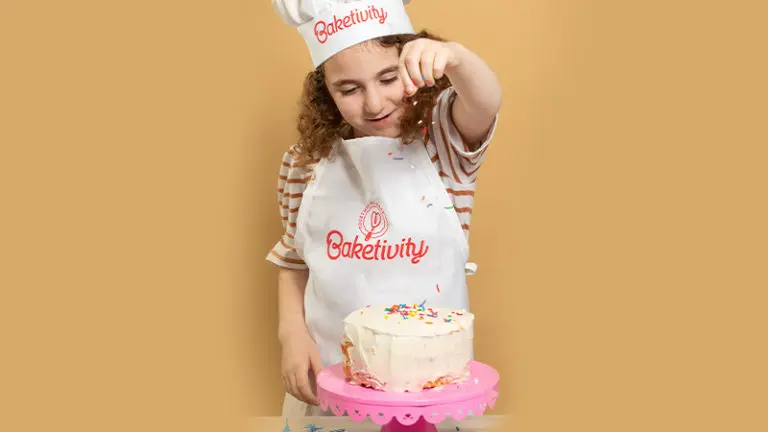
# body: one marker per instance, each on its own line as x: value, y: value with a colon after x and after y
x: 619, y: 224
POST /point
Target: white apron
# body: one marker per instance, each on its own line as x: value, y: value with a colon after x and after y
x: 376, y: 226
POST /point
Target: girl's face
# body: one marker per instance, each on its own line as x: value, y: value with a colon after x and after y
x: 365, y: 84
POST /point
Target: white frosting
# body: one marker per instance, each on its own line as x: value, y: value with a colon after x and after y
x: 407, y: 348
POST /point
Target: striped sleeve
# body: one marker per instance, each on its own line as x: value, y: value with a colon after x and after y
x: 456, y: 161
x: 291, y: 183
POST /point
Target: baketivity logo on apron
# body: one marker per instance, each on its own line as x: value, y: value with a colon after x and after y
x: 373, y: 225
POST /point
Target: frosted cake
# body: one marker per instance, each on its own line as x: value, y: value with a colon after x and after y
x: 401, y: 348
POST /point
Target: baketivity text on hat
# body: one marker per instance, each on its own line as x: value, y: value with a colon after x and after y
x: 323, y: 29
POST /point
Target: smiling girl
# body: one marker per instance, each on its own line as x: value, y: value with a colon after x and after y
x: 376, y: 197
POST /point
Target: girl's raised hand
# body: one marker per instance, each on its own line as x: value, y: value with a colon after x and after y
x: 424, y: 61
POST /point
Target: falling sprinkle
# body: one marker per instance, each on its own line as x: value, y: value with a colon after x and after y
x: 438, y: 288
x: 415, y: 102
x: 422, y: 197
x: 429, y: 205
x: 389, y: 154
x: 427, y: 322
x: 397, y: 158
x: 361, y: 312
x: 386, y: 316
x: 457, y: 428
x: 449, y: 207
x: 419, y: 122
x: 422, y: 303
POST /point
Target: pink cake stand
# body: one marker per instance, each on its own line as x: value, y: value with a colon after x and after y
x: 408, y: 412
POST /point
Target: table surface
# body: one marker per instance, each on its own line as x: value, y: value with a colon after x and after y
x: 484, y: 423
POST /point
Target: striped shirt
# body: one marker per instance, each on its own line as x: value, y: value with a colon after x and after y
x: 456, y: 165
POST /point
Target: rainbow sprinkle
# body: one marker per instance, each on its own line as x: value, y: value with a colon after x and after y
x: 419, y: 312
x: 405, y: 311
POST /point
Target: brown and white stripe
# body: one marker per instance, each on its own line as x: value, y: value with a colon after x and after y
x: 291, y: 183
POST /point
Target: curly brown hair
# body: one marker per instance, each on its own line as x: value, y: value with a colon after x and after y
x: 321, y: 125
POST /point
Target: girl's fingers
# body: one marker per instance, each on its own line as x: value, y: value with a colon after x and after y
x: 410, y: 68
x: 427, y: 67
x: 315, y: 364
x: 303, y: 387
x: 291, y: 385
x: 403, y: 70
x: 440, y: 63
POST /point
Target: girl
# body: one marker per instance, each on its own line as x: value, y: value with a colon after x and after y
x: 377, y: 194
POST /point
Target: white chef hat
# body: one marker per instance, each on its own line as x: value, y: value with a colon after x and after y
x: 330, y: 26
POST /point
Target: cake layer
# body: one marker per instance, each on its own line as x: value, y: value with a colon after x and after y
x: 407, y: 347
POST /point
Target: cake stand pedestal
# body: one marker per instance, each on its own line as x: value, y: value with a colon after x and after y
x: 410, y: 411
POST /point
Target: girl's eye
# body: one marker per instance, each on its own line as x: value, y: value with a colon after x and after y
x: 348, y: 91
x: 389, y: 80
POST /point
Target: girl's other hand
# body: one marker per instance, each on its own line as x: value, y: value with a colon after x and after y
x: 300, y: 364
